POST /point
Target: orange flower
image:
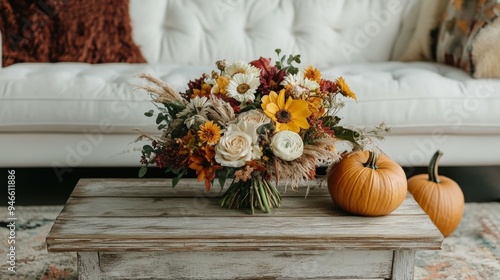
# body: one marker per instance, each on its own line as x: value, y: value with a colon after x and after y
x: 202, y: 161
x: 256, y: 166
x: 312, y: 74
x: 291, y: 115
x: 187, y: 142
x: 204, y: 91
x: 345, y: 90
x: 209, y: 132
x: 316, y: 106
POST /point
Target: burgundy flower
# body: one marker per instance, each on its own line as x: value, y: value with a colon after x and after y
x: 328, y: 86
x: 196, y: 84
x: 162, y: 160
x: 270, y: 80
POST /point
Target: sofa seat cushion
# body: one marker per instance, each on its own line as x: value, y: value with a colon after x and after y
x: 412, y: 98
x: 421, y: 98
x: 74, y: 97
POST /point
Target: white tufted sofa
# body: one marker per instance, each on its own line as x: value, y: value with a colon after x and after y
x: 79, y: 115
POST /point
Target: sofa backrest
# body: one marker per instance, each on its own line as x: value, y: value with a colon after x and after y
x: 324, y: 32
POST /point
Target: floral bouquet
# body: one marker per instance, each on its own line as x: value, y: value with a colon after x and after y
x: 254, y: 123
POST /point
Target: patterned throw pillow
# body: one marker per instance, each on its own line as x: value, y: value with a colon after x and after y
x: 464, y: 21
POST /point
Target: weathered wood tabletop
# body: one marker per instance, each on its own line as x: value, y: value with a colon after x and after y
x: 128, y: 228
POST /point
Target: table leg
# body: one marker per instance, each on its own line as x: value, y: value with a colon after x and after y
x: 403, y: 265
x: 88, y: 266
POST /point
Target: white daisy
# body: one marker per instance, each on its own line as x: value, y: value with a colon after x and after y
x: 298, y: 84
x: 310, y: 84
x: 297, y: 91
x: 241, y: 67
x: 242, y: 87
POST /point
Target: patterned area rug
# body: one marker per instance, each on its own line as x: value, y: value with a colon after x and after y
x: 471, y: 252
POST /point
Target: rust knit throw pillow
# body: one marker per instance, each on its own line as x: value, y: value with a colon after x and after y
x: 27, y: 32
x: 95, y: 31
x: 91, y: 31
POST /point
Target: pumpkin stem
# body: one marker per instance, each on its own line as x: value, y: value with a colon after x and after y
x: 433, y: 167
x: 372, y: 160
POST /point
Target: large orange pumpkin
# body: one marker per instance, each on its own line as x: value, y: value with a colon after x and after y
x: 440, y: 197
x: 366, y: 183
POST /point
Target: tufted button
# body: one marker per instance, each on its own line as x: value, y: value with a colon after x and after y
x: 336, y: 29
x: 298, y: 33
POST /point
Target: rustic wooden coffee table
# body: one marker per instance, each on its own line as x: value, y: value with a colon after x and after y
x: 144, y: 229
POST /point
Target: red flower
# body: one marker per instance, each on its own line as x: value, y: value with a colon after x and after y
x: 328, y: 86
x: 262, y: 63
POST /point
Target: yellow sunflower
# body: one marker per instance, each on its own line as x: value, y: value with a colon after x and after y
x: 290, y: 115
x: 209, y: 132
x: 345, y: 89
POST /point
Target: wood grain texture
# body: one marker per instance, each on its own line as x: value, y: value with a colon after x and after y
x: 197, y: 207
x: 88, y: 266
x: 148, y: 215
x: 159, y: 188
x: 403, y: 265
x: 247, y: 265
x: 144, y: 229
x: 217, y: 233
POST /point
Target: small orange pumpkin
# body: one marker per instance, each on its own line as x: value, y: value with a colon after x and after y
x: 366, y: 183
x: 440, y: 197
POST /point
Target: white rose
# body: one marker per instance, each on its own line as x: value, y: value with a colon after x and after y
x: 257, y: 117
x: 287, y: 145
x: 238, y: 145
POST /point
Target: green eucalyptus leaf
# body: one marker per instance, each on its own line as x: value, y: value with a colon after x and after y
x: 159, y: 118
x: 248, y: 108
x: 330, y: 121
x: 222, y: 180
x: 147, y: 149
x: 293, y: 70
x: 143, y: 171
x: 343, y: 133
x: 149, y: 113
x: 177, y: 178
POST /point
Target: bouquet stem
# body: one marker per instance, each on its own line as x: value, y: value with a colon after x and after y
x: 255, y: 193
